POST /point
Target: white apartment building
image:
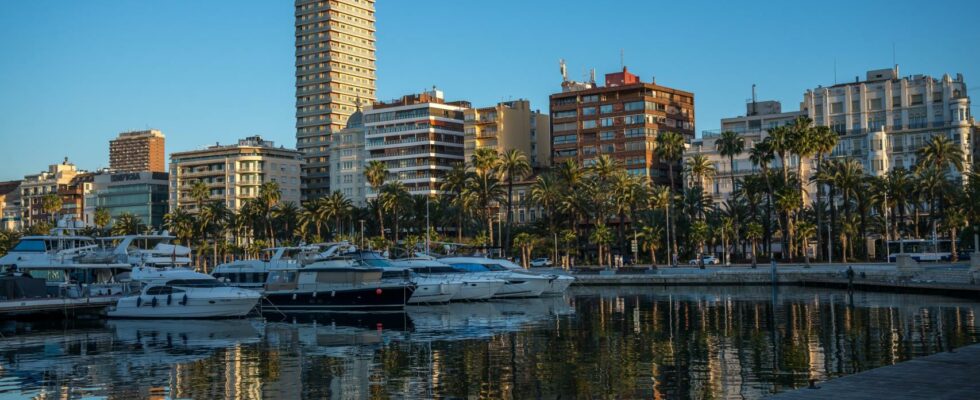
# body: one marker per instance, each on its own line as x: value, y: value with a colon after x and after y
x: 234, y: 173
x: 35, y: 186
x: 348, y: 155
x: 885, y: 118
x: 419, y: 137
x: 753, y: 128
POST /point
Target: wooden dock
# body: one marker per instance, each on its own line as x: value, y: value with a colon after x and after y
x: 950, y: 375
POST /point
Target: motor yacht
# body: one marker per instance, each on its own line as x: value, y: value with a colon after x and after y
x: 557, y: 282
x: 157, y: 250
x: 428, y: 289
x: 252, y: 274
x: 183, y: 293
x: 333, y: 282
x: 518, y: 284
x: 473, y: 286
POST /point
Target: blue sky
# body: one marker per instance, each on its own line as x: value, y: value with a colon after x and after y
x: 75, y: 73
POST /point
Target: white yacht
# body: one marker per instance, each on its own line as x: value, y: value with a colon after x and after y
x: 428, y: 289
x: 146, y: 249
x: 518, y: 283
x: 252, y: 274
x: 58, y: 272
x: 557, y: 282
x: 183, y: 293
x: 472, y: 286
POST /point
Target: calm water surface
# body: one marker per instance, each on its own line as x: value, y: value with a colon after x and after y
x: 689, y: 342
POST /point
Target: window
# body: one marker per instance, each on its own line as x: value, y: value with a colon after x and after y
x: 608, y: 148
x: 855, y: 106
x: 875, y: 104
x: 916, y: 100
x: 633, y: 106
x: 896, y: 101
x: 565, y: 114
x: 607, y: 135
x: 606, y: 108
x: 590, y: 99
x: 588, y: 150
x: 606, y: 122
x: 565, y: 139
x: 634, y: 119
x: 568, y: 126
x: 588, y: 124
x: 836, y: 108
x: 635, y: 146
x: 588, y: 111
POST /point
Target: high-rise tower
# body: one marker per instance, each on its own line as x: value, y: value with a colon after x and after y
x: 335, y: 70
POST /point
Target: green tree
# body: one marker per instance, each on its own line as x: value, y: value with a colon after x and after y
x: 514, y: 166
x: 753, y: 232
x: 200, y: 193
x: 180, y: 224
x: 601, y: 237
x: 394, y: 198
x: 453, y: 184
x: 127, y: 224
x: 376, y: 173
x: 941, y: 152
x: 102, y: 218
x: 730, y: 144
x: 525, y: 241
x: 51, y: 204
x: 670, y: 148
x: 268, y: 198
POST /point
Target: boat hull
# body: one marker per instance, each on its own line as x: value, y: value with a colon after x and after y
x: 478, y: 290
x: 363, y: 298
x: 430, y: 292
x: 558, y: 285
x: 212, y: 307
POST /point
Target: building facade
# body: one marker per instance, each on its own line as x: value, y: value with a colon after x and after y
x: 507, y: 126
x: 138, y: 151
x: 35, y: 186
x: 621, y: 119
x: 143, y: 194
x: 348, y: 155
x: 335, y: 73
x: 419, y: 137
x: 10, y: 205
x: 883, y: 120
x: 752, y: 128
x: 233, y: 173
x: 74, y: 195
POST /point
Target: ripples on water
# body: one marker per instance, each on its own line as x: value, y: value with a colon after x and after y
x: 690, y: 342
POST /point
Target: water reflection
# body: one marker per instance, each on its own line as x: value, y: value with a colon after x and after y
x: 689, y: 342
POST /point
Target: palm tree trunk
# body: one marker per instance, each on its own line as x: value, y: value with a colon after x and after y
x: 381, y: 222
x: 673, y: 219
x: 510, y: 218
x: 731, y: 163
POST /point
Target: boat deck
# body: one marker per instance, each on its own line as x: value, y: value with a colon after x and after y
x: 48, y: 305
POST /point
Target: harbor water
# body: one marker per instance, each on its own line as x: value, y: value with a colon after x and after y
x: 609, y: 342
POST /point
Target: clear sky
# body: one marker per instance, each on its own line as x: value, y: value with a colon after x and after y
x: 75, y: 73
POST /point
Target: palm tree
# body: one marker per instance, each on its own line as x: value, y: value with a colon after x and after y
x: 780, y: 141
x: 601, y: 237
x: 180, y: 224
x: 394, y: 197
x: 485, y: 160
x: 761, y: 155
x: 309, y: 217
x: 102, y: 218
x: 698, y: 234
x: 824, y: 140
x: 848, y: 228
x: 127, y: 224
x: 699, y: 168
x: 269, y: 196
x: 650, y: 237
x: 376, y: 173
x: 200, y: 193
x: 931, y: 181
x: 286, y: 215
x: 546, y: 192
x: 753, y: 232
x: 336, y: 205
x: 453, y: 184
x: 525, y: 241
x: 51, y: 204
x: 953, y: 220
x: 941, y: 152
x: 212, y: 219
x: 731, y: 145
x: 804, y: 231
x: 515, y: 166
x: 670, y: 148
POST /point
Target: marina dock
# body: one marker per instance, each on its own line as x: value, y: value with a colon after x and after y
x: 950, y: 375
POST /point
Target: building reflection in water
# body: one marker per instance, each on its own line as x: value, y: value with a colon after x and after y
x: 661, y: 343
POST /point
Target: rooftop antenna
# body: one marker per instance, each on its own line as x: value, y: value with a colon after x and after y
x: 753, y: 100
x: 622, y: 62
x: 564, y: 71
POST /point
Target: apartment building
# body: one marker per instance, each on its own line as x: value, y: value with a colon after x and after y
x: 348, y: 154
x: 138, y: 151
x: 621, y: 119
x: 419, y: 137
x: 10, y: 205
x: 885, y: 118
x: 233, y: 173
x: 753, y: 128
x: 335, y: 74
x: 507, y: 126
x: 35, y: 186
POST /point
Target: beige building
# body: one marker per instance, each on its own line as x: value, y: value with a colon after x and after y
x: 883, y: 120
x: 138, y: 151
x: 34, y: 187
x: 335, y: 72
x: 10, y: 205
x: 753, y: 128
x: 348, y: 155
x: 234, y: 172
x: 506, y: 126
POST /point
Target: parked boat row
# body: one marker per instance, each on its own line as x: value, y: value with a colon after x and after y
x: 146, y: 276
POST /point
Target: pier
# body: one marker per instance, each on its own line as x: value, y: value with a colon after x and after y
x: 959, y: 279
x: 950, y: 375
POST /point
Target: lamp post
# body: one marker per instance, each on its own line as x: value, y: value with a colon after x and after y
x: 362, y: 233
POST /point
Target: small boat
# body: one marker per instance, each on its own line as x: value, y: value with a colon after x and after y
x: 183, y: 293
x: 333, y: 282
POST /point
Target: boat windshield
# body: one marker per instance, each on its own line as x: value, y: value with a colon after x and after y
x: 30, y: 245
x: 471, y: 267
x: 50, y: 275
x: 435, y: 269
x: 200, y: 283
x: 373, y: 259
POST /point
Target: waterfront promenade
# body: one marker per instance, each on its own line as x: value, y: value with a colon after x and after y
x: 956, y: 279
x: 949, y: 375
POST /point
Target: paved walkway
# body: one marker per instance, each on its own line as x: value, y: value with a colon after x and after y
x: 951, y: 375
